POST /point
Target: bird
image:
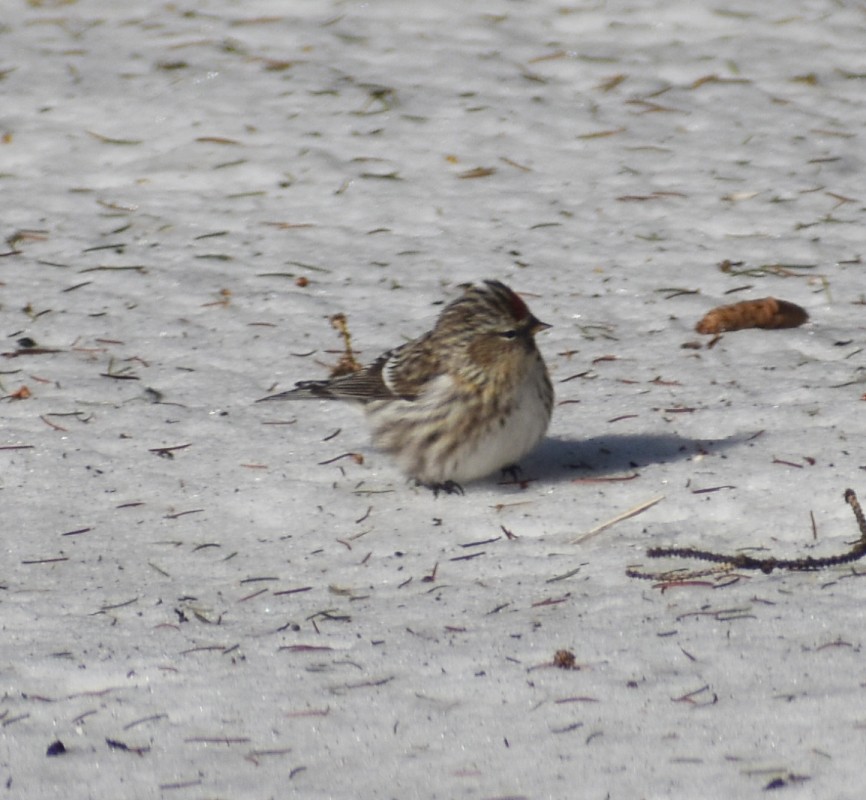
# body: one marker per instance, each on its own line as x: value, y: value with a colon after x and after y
x: 467, y: 398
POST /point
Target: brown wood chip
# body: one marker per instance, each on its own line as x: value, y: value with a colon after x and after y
x: 765, y: 313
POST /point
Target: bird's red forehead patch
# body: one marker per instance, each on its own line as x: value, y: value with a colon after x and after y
x: 518, y: 307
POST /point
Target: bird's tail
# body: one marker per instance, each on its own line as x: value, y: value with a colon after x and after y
x: 304, y: 390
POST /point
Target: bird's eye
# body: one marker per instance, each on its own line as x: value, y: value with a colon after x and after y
x: 509, y: 334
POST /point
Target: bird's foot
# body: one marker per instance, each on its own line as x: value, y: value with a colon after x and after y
x: 512, y: 472
x: 449, y: 487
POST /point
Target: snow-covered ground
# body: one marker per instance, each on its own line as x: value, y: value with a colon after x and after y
x: 201, y: 600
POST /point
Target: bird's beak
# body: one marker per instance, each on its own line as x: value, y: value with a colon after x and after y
x: 537, y: 326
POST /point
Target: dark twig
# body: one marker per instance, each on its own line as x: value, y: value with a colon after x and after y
x: 742, y: 561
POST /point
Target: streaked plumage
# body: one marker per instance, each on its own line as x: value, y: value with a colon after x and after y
x: 467, y: 398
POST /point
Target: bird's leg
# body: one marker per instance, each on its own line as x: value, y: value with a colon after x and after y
x: 512, y: 472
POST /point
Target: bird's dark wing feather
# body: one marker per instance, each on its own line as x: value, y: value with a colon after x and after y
x: 366, y: 384
x: 407, y: 370
x: 400, y: 373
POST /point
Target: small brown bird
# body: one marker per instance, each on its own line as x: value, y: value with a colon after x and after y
x: 465, y: 399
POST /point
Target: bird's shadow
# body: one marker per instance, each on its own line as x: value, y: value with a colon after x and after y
x: 558, y: 459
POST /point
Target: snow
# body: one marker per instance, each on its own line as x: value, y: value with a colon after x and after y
x: 204, y: 582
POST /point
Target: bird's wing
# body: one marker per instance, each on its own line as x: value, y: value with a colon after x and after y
x: 366, y: 384
x: 407, y: 370
x: 401, y: 373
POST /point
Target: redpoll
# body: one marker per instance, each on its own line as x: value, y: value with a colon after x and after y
x: 465, y: 399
